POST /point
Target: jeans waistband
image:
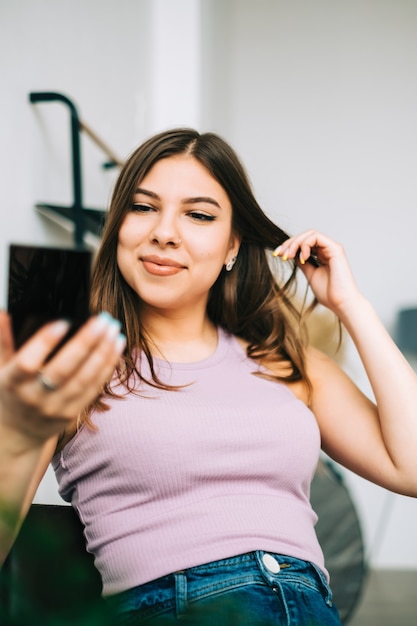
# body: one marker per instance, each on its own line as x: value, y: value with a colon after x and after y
x: 195, y: 583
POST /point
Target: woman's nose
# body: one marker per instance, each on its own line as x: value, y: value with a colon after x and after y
x: 165, y: 235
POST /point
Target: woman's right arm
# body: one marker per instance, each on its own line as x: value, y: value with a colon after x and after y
x: 22, y: 467
x: 33, y: 415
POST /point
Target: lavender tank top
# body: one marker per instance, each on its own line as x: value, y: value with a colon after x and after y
x: 174, y: 479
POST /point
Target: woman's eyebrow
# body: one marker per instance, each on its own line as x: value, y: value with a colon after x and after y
x: 205, y: 199
x: 145, y: 192
x: 190, y: 200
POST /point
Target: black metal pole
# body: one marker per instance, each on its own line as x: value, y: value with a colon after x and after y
x: 77, y: 206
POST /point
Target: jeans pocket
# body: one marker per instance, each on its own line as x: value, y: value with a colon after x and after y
x: 277, y: 568
x: 301, y: 588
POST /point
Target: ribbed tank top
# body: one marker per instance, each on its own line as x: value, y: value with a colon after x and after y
x: 174, y: 479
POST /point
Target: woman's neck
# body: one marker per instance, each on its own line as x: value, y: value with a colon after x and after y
x: 180, y: 338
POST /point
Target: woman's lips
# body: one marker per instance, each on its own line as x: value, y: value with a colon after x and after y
x: 159, y: 266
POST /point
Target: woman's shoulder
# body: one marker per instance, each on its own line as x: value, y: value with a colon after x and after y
x: 282, y: 369
x: 320, y: 369
x: 319, y: 365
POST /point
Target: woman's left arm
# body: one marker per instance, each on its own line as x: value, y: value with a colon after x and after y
x: 377, y: 441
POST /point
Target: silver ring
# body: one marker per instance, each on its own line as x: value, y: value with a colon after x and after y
x: 46, y: 383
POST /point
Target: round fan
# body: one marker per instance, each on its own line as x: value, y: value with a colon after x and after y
x: 339, y: 532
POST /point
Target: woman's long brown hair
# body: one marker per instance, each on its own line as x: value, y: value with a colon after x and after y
x: 248, y: 301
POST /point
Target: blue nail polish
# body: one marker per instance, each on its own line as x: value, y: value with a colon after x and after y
x: 105, y: 316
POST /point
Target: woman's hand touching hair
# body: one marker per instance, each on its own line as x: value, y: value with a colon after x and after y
x: 330, y: 276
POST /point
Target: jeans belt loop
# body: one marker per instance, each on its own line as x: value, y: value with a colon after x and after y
x: 180, y: 593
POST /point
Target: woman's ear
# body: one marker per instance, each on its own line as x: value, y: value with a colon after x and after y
x: 232, y: 255
x: 235, y: 241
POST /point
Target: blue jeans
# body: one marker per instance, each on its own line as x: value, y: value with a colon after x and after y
x: 254, y: 589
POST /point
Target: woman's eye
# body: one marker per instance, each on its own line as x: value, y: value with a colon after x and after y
x: 141, y: 208
x: 201, y: 217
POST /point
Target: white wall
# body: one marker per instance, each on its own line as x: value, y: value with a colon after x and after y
x: 319, y: 98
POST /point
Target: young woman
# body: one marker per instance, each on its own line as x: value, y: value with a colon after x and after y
x: 191, y: 469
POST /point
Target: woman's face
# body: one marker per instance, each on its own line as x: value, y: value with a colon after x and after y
x: 177, y: 236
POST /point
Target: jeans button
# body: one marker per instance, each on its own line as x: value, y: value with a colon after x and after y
x: 271, y: 563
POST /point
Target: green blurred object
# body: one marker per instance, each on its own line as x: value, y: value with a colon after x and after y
x: 49, y: 578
